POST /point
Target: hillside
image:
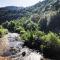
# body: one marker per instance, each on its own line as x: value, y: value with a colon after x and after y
x: 13, y: 12
x: 9, y: 13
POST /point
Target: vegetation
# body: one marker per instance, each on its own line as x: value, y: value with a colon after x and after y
x: 3, y: 31
x: 30, y: 30
x: 38, y: 26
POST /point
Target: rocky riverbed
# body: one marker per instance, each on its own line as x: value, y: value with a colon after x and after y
x: 17, y: 51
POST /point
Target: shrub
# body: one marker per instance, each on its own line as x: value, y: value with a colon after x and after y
x: 3, y: 32
x: 51, y: 38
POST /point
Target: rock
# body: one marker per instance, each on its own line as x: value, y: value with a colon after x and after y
x: 23, y: 54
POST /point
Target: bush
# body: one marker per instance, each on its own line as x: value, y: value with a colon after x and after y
x: 51, y: 39
x: 3, y: 32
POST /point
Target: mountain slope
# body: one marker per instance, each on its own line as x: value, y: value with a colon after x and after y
x: 12, y: 12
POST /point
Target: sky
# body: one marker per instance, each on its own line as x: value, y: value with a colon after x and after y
x: 19, y: 3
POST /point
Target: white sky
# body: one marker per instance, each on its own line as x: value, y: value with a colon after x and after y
x: 23, y: 3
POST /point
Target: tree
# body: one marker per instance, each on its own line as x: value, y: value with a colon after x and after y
x: 5, y: 25
x: 11, y: 26
x: 43, y: 24
x: 35, y: 18
x: 19, y: 29
x: 29, y: 25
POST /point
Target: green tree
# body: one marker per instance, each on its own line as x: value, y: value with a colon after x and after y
x: 29, y: 25
x: 35, y: 18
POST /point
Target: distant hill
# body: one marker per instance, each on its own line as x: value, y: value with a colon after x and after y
x: 10, y: 12
x: 13, y: 12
